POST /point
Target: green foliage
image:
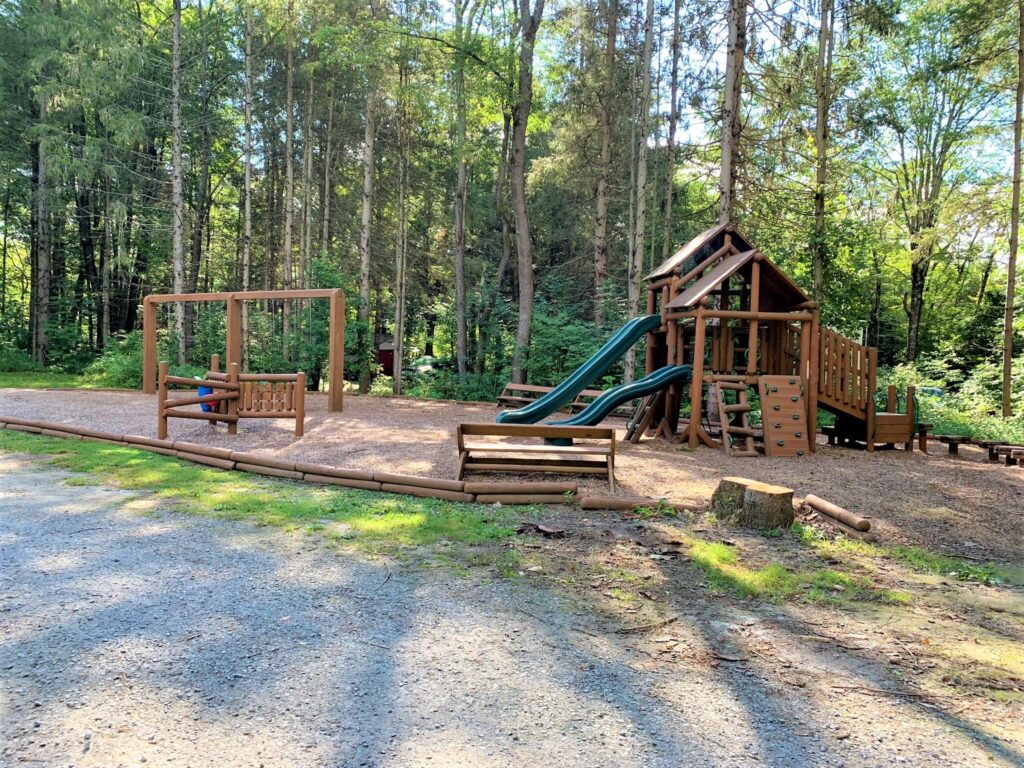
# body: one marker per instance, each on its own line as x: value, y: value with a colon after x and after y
x: 17, y: 361
x: 969, y: 403
x: 120, y: 365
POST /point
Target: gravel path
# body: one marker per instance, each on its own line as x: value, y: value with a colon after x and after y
x: 130, y: 638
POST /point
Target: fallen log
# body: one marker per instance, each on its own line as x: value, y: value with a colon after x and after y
x: 628, y: 504
x: 521, y: 498
x: 846, y: 530
x: 427, y: 493
x: 836, y: 512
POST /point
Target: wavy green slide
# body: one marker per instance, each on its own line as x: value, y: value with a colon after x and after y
x: 596, y: 365
x: 612, y: 398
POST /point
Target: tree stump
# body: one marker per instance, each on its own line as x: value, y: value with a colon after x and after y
x: 752, y: 504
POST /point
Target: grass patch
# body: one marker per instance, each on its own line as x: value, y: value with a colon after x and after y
x: 724, y: 573
x: 916, y: 558
x: 374, y: 521
x: 45, y: 380
x: 922, y: 560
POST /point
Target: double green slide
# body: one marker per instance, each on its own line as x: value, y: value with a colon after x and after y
x: 594, y: 367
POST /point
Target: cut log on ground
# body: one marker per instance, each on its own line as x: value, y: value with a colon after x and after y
x: 836, y: 512
x: 629, y: 504
x: 752, y: 504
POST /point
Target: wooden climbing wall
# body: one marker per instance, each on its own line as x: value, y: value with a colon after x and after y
x: 783, y: 416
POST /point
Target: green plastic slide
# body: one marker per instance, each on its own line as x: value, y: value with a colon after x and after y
x: 596, y: 365
x: 612, y: 398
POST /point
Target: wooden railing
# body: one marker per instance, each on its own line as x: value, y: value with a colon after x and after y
x: 846, y: 374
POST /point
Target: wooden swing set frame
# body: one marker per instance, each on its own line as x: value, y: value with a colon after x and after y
x: 233, y: 342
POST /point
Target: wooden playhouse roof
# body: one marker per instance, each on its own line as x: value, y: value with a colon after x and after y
x: 776, y: 289
x: 700, y: 248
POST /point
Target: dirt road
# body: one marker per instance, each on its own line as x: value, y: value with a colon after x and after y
x: 131, y: 635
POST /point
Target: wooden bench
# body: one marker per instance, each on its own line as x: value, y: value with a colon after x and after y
x: 954, y: 442
x: 519, y: 456
x: 1008, y: 451
x: 518, y: 395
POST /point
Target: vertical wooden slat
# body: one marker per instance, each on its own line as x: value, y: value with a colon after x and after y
x: 697, y: 382
x: 336, y: 354
x: 149, y: 368
x: 161, y: 402
x: 232, y: 408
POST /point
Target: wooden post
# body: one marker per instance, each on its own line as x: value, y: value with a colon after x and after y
x: 872, y: 383
x: 233, y: 341
x: 811, y: 393
x: 336, y: 357
x: 149, y: 371
x: 652, y: 302
x: 300, y: 403
x: 755, y: 306
x: 911, y: 416
x: 697, y: 381
x: 232, y: 408
x: 161, y: 400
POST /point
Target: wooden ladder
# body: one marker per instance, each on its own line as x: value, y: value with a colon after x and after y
x: 728, y: 413
x: 639, y: 422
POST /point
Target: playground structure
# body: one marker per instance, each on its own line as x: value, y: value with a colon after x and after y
x: 722, y: 318
x: 737, y: 318
x: 233, y: 396
x: 234, y: 341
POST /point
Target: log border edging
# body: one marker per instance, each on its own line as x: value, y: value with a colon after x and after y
x: 320, y: 474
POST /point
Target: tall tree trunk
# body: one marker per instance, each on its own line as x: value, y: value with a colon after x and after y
x: 489, y: 297
x: 177, y: 193
x: 289, y: 172
x: 401, y: 249
x: 731, y: 124
x: 202, y: 195
x: 366, y: 221
x: 460, y: 188
x: 636, y: 256
x: 1011, y: 265
x: 607, y: 95
x: 823, y: 94
x: 247, y: 186
x: 920, y: 263
x: 328, y: 192
x: 44, y: 246
x: 673, y: 122
x: 529, y: 23
x: 106, y: 268
x: 3, y: 251
x: 307, y: 185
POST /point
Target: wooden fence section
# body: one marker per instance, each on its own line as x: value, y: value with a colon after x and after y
x: 846, y: 374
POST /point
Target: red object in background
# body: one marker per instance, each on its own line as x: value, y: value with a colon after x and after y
x: 386, y: 360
